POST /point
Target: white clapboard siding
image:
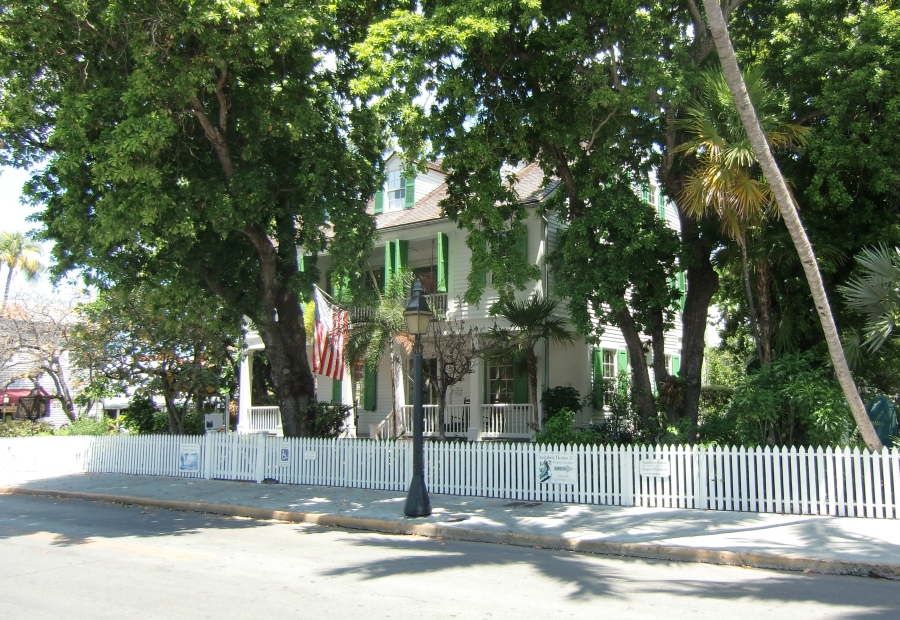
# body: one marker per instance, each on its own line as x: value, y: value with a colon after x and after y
x: 808, y: 481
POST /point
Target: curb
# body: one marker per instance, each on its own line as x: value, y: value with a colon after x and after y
x: 431, y: 530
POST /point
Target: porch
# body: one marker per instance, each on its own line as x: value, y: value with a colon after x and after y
x: 506, y: 421
x: 494, y: 422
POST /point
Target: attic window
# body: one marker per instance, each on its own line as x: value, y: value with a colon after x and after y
x: 396, y: 186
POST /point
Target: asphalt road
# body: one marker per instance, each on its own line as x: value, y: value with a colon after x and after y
x: 73, y: 559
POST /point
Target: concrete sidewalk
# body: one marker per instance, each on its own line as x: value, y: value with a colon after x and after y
x: 815, y: 544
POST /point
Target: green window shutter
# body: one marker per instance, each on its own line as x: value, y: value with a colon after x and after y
x: 645, y: 193
x: 369, y: 389
x: 379, y: 202
x: 337, y: 390
x: 597, y: 373
x: 520, y: 389
x: 676, y: 364
x: 661, y: 206
x: 410, y: 199
x: 301, y: 262
x: 443, y: 262
x: 682, y: 286
x: 401, y: 254
x: 622, y: 361
x: 388, y: 262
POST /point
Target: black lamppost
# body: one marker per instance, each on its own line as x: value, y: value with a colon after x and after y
x: 418, y: 316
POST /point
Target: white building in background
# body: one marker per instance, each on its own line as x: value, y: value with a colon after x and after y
x: 492, y: 402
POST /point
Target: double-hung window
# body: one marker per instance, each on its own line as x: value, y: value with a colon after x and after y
x: 396, y: 191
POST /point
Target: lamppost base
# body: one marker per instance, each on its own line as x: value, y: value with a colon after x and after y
x: 417, y: 502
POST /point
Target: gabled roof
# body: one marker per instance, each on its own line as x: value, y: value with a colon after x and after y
x: 529, y: 186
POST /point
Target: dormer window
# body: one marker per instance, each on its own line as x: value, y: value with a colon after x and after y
x: 396, y: 191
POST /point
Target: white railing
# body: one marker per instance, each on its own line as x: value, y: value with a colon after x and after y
x: 830, y: 481
x: 389, y: 428
x: 264, y: 420
x: 508, y: 421
x: 456, y: 420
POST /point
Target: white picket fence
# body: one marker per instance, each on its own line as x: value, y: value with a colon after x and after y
x: 829, y: 481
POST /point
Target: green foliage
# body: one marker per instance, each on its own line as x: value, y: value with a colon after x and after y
x: 140, y: 415
x: 326, y: 419
x: 723, y: 367
x: 89, y: 425
x: 561, y: 397
x: 138, y: 340
x: 615, y: 257
x: 25, y: 428
x: 790, y: 402
x: 875, y: 294
x: 559, y: 430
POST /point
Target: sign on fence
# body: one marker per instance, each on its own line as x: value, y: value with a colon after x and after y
x: 656, y: 468
x: 555, y: 468
x: 309, y: 455
x: 189, y: 458
x: 284, y: 455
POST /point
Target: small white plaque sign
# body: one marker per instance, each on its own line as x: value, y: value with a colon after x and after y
x: 656, y: 467
x: 309, y: 455
x: 556, y: 468
x: 189, y: 458
x: 284, y: 455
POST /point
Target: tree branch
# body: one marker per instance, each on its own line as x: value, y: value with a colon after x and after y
x: 220, y: 146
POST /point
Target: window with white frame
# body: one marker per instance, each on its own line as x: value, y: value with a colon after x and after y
x: 396, y: 191
x: 610, y: 376
x: 500, y: 384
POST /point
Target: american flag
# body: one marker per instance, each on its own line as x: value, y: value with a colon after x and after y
x: 331, y: 330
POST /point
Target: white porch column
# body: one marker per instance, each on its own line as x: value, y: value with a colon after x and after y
x: 476, y: 397
x: 347, y: 397
x: 538, y: 407
x: 245, y: 390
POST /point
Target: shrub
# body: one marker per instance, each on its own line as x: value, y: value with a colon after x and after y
x: 326, y: 419
x: 25, y: 428
x: 558, y: 398
x: 790, y: 402
x: 560, y: 430
x: 89, y: 425
x: 140, y: 415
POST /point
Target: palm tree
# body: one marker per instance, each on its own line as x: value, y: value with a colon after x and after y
x: 19, y: 252
x: 383, y: 331
x: 726, y: 179
x: 876, y: 295
x: 791, y: 218
x: 531, y: 321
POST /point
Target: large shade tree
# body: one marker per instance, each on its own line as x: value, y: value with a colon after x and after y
x: 789, y: 214
x: 725, y: 179
x: 197, y: 144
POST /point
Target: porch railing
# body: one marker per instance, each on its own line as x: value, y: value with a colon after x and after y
x: 514, y: 421
x: 456, y: 420
x: 264, y: 420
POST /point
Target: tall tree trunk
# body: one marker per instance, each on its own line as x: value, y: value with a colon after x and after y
x: 748, y: 290
x: 764, y: 308
x: 9, y: 277
x: 532, y: 385
x: 702, y: 284
x: 640, y: 378
x: 281, y: 327
x: 791, y: 218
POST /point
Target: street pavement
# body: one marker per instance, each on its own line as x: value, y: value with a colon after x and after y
x: 815, y: 544
x: 93, y: 560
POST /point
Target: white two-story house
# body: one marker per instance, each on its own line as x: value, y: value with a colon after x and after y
x: 492, y: 402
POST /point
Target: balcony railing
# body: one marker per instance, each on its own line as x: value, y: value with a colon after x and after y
x: 362, y: 314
